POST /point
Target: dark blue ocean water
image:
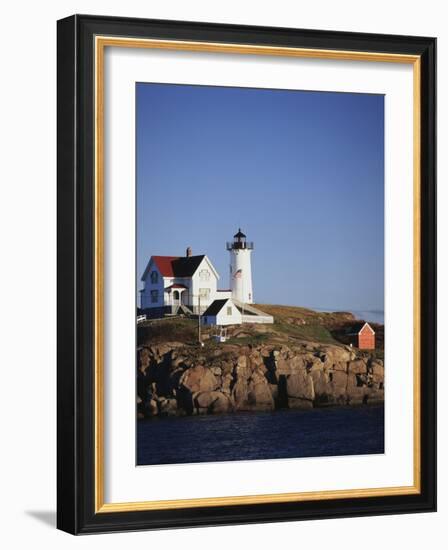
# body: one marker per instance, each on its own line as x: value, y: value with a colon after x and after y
x: 251, y: 436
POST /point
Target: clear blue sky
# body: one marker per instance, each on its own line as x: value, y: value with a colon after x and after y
x: 302, y: 173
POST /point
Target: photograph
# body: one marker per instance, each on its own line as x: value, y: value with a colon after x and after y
x: 242, y: 212
x: 259, y: 273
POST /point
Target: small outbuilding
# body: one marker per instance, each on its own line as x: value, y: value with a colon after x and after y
x: 222, y: 312
x: 366, y: 337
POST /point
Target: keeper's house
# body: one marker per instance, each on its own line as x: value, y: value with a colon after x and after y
x: 174, y: 285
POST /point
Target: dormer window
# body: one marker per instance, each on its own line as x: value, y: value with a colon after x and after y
x: 154, y: 277
x: 204, y: 275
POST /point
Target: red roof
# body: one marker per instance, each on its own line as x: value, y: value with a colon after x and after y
x: 164, y: 265
x: 176, y: 266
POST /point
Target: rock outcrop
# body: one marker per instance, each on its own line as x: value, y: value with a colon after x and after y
x: 177, y: 379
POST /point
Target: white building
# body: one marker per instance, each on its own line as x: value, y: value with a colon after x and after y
x: 222, y: 312
x: 175, y: 284
x: 240, y: 268
x: 189, y: 285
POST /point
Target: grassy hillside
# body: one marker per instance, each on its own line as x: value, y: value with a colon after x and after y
x: 291, y: 324
x: 167, y: 330
x: 303, y: 316
x: 318, y: 326
x: 305, y: 324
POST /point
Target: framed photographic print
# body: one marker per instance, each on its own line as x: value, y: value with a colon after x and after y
x: 246, y: 266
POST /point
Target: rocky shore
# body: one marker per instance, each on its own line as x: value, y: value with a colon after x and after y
x: 176, y: 378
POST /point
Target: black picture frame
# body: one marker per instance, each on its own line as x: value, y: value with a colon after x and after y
x: 76, y: 263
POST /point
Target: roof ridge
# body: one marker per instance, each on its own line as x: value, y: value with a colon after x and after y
x: 214, y: 308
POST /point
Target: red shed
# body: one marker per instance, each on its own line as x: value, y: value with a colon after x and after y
x: 366, y: 337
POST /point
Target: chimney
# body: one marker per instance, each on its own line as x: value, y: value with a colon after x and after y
x: 189, y: 252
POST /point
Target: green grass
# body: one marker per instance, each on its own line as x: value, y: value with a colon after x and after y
x: 167, y: 330
x: 252, y: 340
x: 304, y: 315
x: 312, y: 333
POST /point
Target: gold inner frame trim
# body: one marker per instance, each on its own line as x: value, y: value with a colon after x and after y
x: 101, y: 42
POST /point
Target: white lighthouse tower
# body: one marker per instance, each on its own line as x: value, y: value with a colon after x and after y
x: 240, y: 268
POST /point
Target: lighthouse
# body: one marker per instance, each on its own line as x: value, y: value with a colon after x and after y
x: 240, y: 268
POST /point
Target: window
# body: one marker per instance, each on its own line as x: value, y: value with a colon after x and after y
x: 154, y: 277
x: 204, y: 274
x: 154, y: 296
x: 229, y: 310
x: 204, y: 293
